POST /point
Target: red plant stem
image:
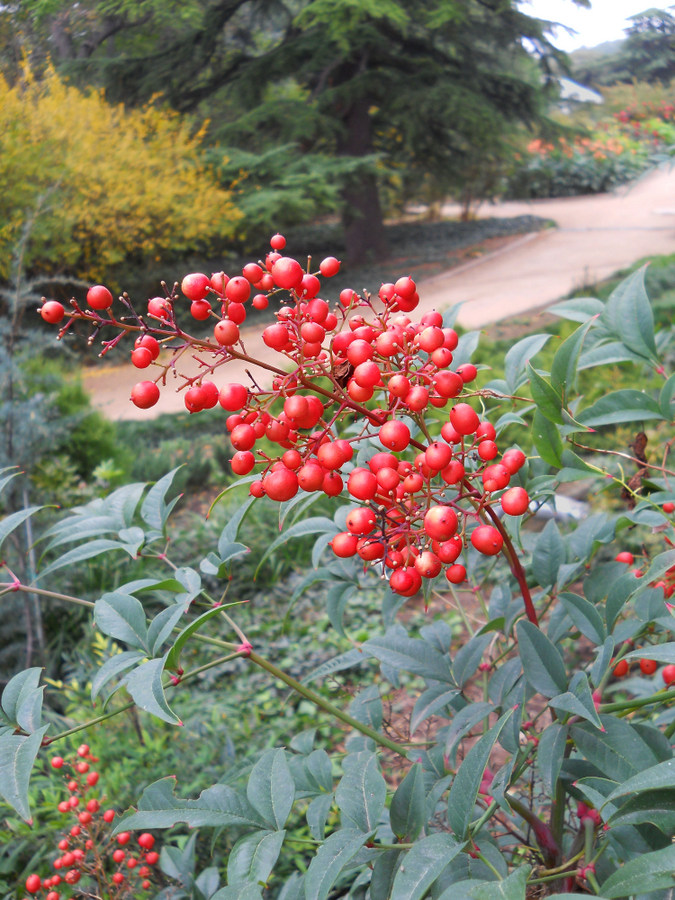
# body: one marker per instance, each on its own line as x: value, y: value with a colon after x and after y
x: 516, y: 567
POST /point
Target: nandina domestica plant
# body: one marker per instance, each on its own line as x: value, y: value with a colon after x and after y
x: 527, y: 764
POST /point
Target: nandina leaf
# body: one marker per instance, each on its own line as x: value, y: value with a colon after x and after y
x: 112, y: 667
x: 253, y: 857
x: 566, y: 361
x: 332, y: 857
x: 578, y: 309
x: 646, y: 873
x: 435, y: 698
x: 317, y: 814
x: 547, y: 398
x: 361, y: 792
x: 517, y: 358
x: 144, y: 684
x: 577, y: 700
x: 79, y: 554
x: 620, y: 406
x: 414, y: 655
x: 658, y: 777
x: 548, y: 555
x: 216, y: 806
x: 628, y: 315
x: 513, y: 887
x: 663, y: 653
x: 407, y: 813
x: 584, y: 616
x: 18, y: 690
x: 12, y: 521
x: 122, y: 617
x: 155, y: 510
x: 422, y: 865
x: 173, y: 656
x: 542, y: 663
x: 384, y: 871
x: 270, y: 789
x: 17, y: 755
x: 466, y: 784
x: 666, y: 397
x: 248, y: 891
x: 162, y: 625
x: 546, y: 439
x: 550, y: 754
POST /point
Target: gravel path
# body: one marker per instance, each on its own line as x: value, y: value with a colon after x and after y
x: 595, y: 236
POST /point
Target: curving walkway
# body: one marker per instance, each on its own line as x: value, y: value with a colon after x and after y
x: 595, y: 236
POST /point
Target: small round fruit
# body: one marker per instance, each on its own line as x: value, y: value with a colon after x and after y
x: 487, y: 540
x: 464, y: 419
x: 52, y: 312
x: 456, y: 574
x: 277, y: 242
x: 668, y: 507
x: 146, y: 840
x: 648, y: 666
x: 668, y: 674
x: 195, y: 286
x: 99, y: 297
x: 621, y: 668
x: 287, y: 273
x: 329, y: 266
x: 394, y: 435
x: 625, y: 557
x: 144, y: 394
x: 515, y: 501
x: 57, y: 762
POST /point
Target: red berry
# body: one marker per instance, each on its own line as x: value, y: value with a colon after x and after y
x: 344, y: 544
x: 668, y: 674
x: 123, y: 838
x: 152, y: 857
x: 464, y: 419
x: 668, y: 507
x: 33, y: 884
x: 514, y: 460
x: 141, y: 357
x: 648, y: 666
x: 329, y: 266
x: 149, y: 342
x: 281, y: 485
x: 625, y: 557
x: 200, y: 310
x: 621, y: 668
x: 226, y: 332
x: 287, y: 273
x: 52, y: 311
x: 455, y: 574
x: 108, y: 815
x: 277, y: 242
x: 99, y: 297
x: 195, y: 286
x: 144, y: 394
x: 487, y: 540
x: 238, y: 289
x: 394, y: 435
x: 440, y: 523
x: 515, y: 501
x: 118, y: 878
x: 57, y: 762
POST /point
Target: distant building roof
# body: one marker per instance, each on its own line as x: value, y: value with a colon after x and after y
x: 570, y: 90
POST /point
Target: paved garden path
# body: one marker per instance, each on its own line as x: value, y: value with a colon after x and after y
x: 595, y: 236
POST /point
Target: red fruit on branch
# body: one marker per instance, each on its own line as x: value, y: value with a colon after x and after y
x: 99, y: 297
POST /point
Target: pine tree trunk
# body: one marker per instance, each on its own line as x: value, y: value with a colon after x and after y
x: 362, y: 214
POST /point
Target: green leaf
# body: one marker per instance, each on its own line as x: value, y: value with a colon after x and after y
x: 315, y: 525
x: 547, y: 398
x: 113, y: 667
x: 122, y: 617
x: 422, y: 865
x: 173, y: 656
x: 607, y: 354
x: 620, y: 406
x: 12, y: 521
x: 407, y: 813
x: 517, y: 358
x: 651, y: 807
x: 513, y: 887
x: 317, y: 814
x: 217, y: 806
x: 144, y: 683
x: 584, y: 616
x: 464, y: 790
x: 663, y: 653
x: 465, y: 720
x: 17, y: 690
x: 628, y: 315
x: 79, y: 554
x: 162, y: 625
x: 270, y: 789
x: 546, y: 439
x: 542, y: 663
x: 414, y: 655
x: 565, y: 362
x: 468, y: 657
x: 578, y: 309
x: 384, y: 871
x: 658, y: 777
x: 334, y: 854
x: 648, y: 872
x: 666, y: 399
x: 253, y: 857
x: 550, y: 755
x: 548, y: 555
x: 155, y: 511
x: 429, y: 702
x: 578, y: 700
x: 337, y: 598
x: 361, y: 792
x: 239, y: 892
x: 17, y: 756
x: 619, y: 750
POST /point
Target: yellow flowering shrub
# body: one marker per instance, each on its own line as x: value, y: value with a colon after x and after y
x: 93, y: 184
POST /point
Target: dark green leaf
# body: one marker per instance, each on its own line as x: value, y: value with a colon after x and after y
x: 334, y: 854
x: 547, y: 440
x: 620, y: 406
x: 12, y: 521
x: 518, y: 357
x: 578, y: 700
x: 384, y: 871
x: 112, y: 667
x: 620, y: 750
x: 317, y: 814
x: 584, y: 616
x: 658, y: 777
x: 465, y: 787
x: 337, y: 598
x: 542, y: 663
x: 270, y: 789
x: 155, y: 511
x: 578, y: 309
x: 162, y: 625
x: 431, y: 701
x: 607, y: 354
x: 217, y: 806
x: 464, y: 721
x: 361, y: 792
x: 122, y: 617
x: 17, y: 689
x: 628, y: 315
x: 315, y: 525
x: 173, y: 656
x: 468, y: 657
x: 565, y: 362
x: 79, y: 554
x: 548, y: 400
x: 339, y: 663
x: 652, y: 807
x: 144, y: 683
x: 407, y: 813
x: 513, y: 887
x: 666, y: 399
x: 550, y: 755
x: 239, y: 892
x: 422, y: 865
x: 253, y: 857
x: 414, y: 655
x: 649, y: 872
x: 548, y: 555
x: 17, y: 756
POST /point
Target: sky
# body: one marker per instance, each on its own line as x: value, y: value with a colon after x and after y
x: 604, y: 21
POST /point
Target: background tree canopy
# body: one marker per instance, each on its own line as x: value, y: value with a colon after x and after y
x: 385, y: 88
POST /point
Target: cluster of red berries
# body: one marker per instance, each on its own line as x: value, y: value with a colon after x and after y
x: 647, y: 667
x: 364, y: 363
x: 88, y: 855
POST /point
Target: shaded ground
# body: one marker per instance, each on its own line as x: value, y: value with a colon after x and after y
x: 495, y: 279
